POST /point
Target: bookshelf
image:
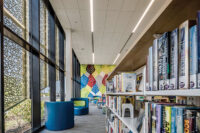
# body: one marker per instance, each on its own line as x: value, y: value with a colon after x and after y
x: 129, y: 122
x: 169, y: 19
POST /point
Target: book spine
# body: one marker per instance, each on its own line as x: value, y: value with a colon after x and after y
x: 163, y: 120
x: 184, y: 55
x: 174, y: 60
x: 146, y: 116
x: 158, y: 118
x: 173, y: 120
x: 193, y: 57
x: 150, y: 68
x: 168, y: 119
x: 160, y: 63
x: 198, y: 45
x: 189, y: 121
x: 153, y: 118
x: 179, y: 121
x: 147, y: 74
x: 155, y: 65
x: 197, y: 124
x: 166, y: 58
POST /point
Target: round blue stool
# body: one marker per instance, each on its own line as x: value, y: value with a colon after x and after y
x: 60, y: 115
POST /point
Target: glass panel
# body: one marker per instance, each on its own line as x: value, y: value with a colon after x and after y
x: 57, y: 45
x: 58, y: 86
x: 45, y: 90
x: 43, y: 28
x: 17, y: 101
x: 14, y: 16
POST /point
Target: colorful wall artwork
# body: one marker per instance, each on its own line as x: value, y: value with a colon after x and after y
x: 93, y: 79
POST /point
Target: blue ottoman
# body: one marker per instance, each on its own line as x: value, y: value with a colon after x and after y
x: 60, y: 115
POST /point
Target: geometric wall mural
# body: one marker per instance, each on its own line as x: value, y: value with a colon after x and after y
x: 93, y: 79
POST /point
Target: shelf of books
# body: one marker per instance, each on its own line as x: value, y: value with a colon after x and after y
x: 169, y: 81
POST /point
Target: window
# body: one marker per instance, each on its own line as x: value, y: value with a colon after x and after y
x: 33, y: 63
x: 17, y: 102
x: 76, y: 75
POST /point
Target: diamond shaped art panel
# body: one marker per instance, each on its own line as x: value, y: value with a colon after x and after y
x: 91, y: 81
x: 90, y: 69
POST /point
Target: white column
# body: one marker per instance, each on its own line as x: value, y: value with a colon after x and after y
x: 68, y: 65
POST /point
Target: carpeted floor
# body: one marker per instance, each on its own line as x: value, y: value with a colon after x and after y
x: 92, y: 123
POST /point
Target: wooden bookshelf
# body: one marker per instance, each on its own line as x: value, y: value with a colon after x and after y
x: 176, y: 13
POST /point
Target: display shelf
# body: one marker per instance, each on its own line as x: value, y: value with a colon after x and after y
x: 129, y: 122
x: 125, y: 93
x: 188, y: 92
x: 169, y: 19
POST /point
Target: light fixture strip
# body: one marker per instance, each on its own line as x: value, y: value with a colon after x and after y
x: 93, y: 58
x: 91, y: 16
x: 143, y: 15
x: 116, y: 58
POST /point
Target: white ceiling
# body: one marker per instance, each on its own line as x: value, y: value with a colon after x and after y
x: 113, y: 23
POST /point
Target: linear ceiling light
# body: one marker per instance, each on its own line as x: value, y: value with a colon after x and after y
x: 91, y: 15
x: 143, y: 15
x: 93, y: 58
x: 116, y: 58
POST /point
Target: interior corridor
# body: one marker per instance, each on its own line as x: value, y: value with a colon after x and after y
x: 92, y: 123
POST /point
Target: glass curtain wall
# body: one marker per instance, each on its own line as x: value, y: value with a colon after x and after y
x: 32, y: 63
x: 76, y: 75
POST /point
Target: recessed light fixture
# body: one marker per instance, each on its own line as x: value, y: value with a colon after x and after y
x: 116, y: 58
x: 93, y: 58
x: 143, y: 15
x: 91, y: 15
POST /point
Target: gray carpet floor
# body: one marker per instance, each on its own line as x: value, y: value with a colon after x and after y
x: 92, y: 123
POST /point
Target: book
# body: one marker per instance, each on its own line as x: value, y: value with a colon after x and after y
x: 167, y: 122
x: 155, y: 65
x: 173, y: 119
x: 184, y: 54
x: 198, y: 49
x: 128, y: 82
x: 193, y: 57
x: 147, y: 75
x: 153, y: 118
x: 158, y: 118
x: 179, y: 120
x: 160, y: 63
x: 151, y: 68
x: 174, y: 60
x: 189, y: 121
x: 197, y: 124
x: 166, y: 59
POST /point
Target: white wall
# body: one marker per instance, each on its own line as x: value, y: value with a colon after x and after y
x: 68, y: 65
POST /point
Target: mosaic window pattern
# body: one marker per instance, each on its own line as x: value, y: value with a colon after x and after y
x: 17, y: 103
x: 13, y: 26
x: 16, y: 8
x: 15, y: 90
x: 15, y: 14
x: 43, y: 28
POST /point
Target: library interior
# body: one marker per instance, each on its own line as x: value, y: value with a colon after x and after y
x: 99, y: 66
